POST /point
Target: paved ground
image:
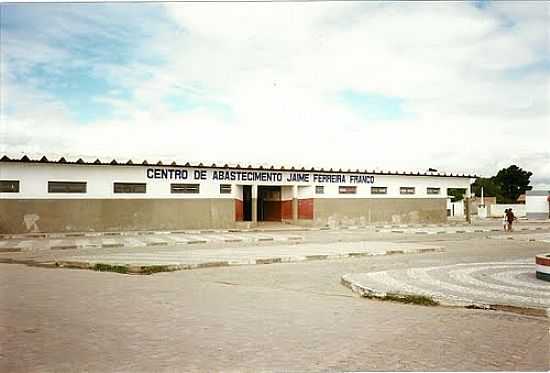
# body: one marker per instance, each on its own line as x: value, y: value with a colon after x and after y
x: 544, y: 237
x: 211, y: 239
x: 200, y: 258
x: 485, y: 285
x: 288, y: 316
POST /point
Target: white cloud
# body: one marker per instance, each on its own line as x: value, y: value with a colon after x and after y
x: 281, y: 66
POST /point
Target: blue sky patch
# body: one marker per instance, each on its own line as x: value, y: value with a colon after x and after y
x: 183, y: 103
x: 374, y: 106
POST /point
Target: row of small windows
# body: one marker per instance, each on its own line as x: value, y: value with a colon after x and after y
x: 376, y: 190
x: 12, y: 186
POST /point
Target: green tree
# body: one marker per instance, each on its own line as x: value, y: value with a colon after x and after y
x: 490, y: 188
x: 457, y: 194
x: 506, y: 186
x: 513, y: 181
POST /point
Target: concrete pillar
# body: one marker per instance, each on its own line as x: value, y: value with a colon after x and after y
x: 295, y: 204
x: 254, y: 204
x: 467, y: 205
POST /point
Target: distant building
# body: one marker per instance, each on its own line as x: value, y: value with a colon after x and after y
x: 537, y: 204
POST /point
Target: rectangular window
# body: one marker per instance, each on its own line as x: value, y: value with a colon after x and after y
x: 225, y: 189
x: 185, y: 188
x: 433, y: 190
x: 406, y: 190
x: 129, y: 187
x: 347, y: 189
x: 66, y: 187
x: 319, y: 189
x: 379, y: 190
x: 9, y: 186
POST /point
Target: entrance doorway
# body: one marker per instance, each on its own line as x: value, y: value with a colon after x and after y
x: 269, y: 203
x: 247, y: 202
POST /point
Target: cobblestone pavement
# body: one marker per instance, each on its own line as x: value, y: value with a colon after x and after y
x: 484, y: 285
x: 291, y: 317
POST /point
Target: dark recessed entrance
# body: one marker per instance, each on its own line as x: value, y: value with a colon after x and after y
x: 247, y: 202
x: 269, y: 203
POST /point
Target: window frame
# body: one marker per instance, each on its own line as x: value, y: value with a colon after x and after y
x: 430, y: 191
x: 224, y: 189
x: 129, y: 184
x: 347, y: 189
x: 185, y: 188
x: 375, y: 190
x: 319, y: 189
x: 405, y: 191
x: 5, y: 183
x: 53, y: 184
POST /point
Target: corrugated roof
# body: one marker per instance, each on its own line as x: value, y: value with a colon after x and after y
x: 163, y: 162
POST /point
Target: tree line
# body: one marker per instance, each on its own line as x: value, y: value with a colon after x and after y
x: 507, y: 185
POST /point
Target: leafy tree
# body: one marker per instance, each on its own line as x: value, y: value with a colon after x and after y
x: 457, y: 194
x: 506, y: 186
x: 513, y: 181
x: 490, y: 188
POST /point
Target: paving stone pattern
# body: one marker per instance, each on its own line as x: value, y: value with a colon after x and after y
x: 483, y: 285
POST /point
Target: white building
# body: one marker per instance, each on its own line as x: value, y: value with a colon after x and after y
x: 537, y: 204
x: 77, y: 195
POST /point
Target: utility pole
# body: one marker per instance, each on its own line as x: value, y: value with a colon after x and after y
x: 482, y: 199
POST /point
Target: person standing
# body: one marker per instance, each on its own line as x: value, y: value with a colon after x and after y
x: 511, y: 219
x: 505, y: 220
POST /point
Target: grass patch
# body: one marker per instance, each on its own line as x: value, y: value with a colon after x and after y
x: 410, y: 299
x: 149, y: 270
x: 101, y: 267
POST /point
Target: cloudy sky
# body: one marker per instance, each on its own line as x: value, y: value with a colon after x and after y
x: 461, y: 87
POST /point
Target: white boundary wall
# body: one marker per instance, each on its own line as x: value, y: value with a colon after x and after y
x: 536, y: 203
x: 497, y: 211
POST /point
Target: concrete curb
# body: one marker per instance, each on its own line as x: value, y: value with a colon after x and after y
x: 372, y: 293
x: 127, y: 268
x: 153, y: 242
x: 475, y: 230
x: 37, y: 235
x: 377, y: 228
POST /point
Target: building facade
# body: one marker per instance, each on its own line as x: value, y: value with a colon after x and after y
x: 537, y: 204
x: 40, y: 195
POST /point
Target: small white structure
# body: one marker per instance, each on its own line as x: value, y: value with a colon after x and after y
x: 456, y: 209
x: 537, y: 205
x: 497, y: 211
x: 482, y: 212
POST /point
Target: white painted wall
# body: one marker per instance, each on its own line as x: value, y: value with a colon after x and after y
x: 536, y: 204
x: 457, y: 208
x: 34, y: 177
x: 497, y: 211
x: 482, y: 212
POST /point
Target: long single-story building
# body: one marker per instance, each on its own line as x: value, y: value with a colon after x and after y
x: 62, y: 195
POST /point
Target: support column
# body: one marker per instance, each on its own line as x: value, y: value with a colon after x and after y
x: 254, y: 204
x: 467, y: 205
x: 295, y: 204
